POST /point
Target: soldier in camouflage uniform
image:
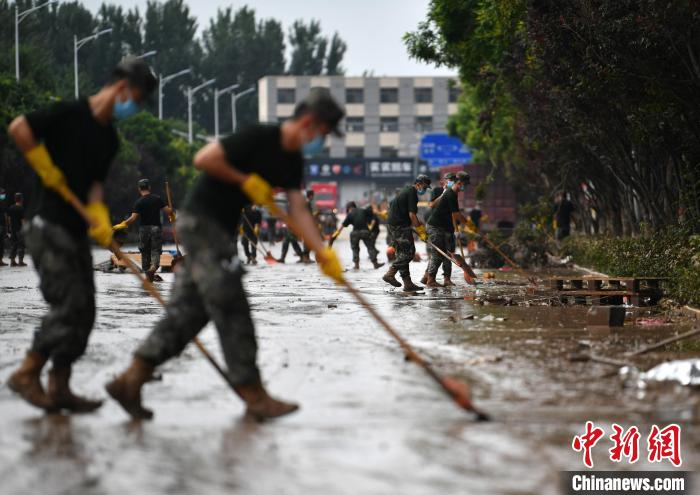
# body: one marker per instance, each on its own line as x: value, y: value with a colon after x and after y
x: 241, y: 168
x: 401, y: 223
x: 360, y: 219
x: 71, y: 146
x: 147, y: 211
x: 435, y: 196
x: 290, y: 238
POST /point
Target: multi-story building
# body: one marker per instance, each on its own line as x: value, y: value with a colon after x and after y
x: 386, y: 116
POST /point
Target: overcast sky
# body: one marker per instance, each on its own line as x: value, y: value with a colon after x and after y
x: 372, y: 28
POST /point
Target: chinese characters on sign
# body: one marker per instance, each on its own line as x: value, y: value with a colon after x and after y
x: 364, y: 168
x: 390, y: 168
x: 662, y: 444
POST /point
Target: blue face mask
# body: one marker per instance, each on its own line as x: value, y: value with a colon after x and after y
x: 461, y: 188
x: 125, y: 109
x: 2, y: 197
x: 421, y: 191
x: 313, y: 147
x: 450, y: 183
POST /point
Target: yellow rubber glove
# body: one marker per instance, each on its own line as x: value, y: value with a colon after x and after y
x: 258, y: 190
x: 256, y: 230
x: 422, y: 233
x: 101, y: 230
x: 120, y: 226
x: 172, y: 217
x: 50, y: 175
x: 241, y: 232
x: 330, y: 264
x: 336, y: 234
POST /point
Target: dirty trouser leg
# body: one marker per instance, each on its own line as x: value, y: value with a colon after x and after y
x: 145, y: 247
x: 156, y: 245
x: 402, y: 242
x: 254, y: 245
x: 210, y: 286
x: 17, y: 245
x: 366, y: 238
x: 246, y: 247
x: 2, y: 241
x: 65, y: 270
x: 438, y: 237
x: 355, y: 245
x: 451, y: 246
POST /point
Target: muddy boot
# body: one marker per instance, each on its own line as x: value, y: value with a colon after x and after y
x: 126, y: 388
x: 62, y: 397
x: 157, y: 278
x: 21, y: 262
x: 150, y: 273
x: 377, y: 264
x: 447, y: 282
x: 255, y: 261
x: 432, y: 283
x: 356, y: 266
x: 390, y: 277
x: 280, y: 260
x: 424, y: 280
x: 2, y: 263
x: 259, y: 403
x: 26, y: 381
x: 13, y: 262
x: 409, y: 286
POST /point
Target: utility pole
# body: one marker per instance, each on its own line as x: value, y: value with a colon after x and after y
x: 234, y: 99
x: 19, y: 17
x: 190, y: 95
x: 162, y: 81
x: 77, y: 45
x: 217, y: 94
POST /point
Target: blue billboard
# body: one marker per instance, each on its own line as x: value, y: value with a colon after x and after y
x: 440, y: 150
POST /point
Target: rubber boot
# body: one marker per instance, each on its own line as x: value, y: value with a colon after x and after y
x: 62, y: 397
x: 27, y: 383
x: 424, y: 280
x: 377, y: 264
x: 126, y: 388
x: 356, y: 266
x: 260, y: 405
x: 2, y: 263
x: 280, y: 260
x: 21, y: 262
x: 432, y: 283
x: 390, y: 277
x: 13, y: 262
x: 447, y: 282
x: 409, y: 286
x: 150, y: 273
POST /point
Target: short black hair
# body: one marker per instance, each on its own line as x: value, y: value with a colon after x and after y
x: 144, y: 184
x: 321, y: 104
x: 351, y: 204
x: 137, y: 73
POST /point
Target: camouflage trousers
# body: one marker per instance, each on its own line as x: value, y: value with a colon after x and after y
x: 208, y: 286
x: 64, y: 264
x: 290, y: 238
x: 150, y: 246
x: 445, y: 240
x: 402, y: 242
x: 17, y: 245
x: 250, y: 244
x: 362, y: 235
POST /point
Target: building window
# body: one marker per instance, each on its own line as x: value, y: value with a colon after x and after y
x: 389, y: 124
x: 389, y: 95
x: 388, y: 152
x: 455, y: 92
x: 354, y: 124
x: 423, y: 95
x: 355, y: 152
x: 286, y: 95
x: 424, y: 124
x: 354, y: 95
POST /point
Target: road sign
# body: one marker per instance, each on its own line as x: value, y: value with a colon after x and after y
x: 440, y: 150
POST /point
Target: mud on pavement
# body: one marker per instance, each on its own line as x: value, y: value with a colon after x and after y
x: 370, y: 421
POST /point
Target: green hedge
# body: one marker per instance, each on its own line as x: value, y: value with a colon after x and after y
x: 673, y: 252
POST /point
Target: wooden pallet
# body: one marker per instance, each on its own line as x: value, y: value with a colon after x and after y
x: 608, y: 290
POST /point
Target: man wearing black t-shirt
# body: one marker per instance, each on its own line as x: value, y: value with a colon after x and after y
x: 360, y: 219
x: 435, y: 195
x: 240, y: 169
x: 251, y: 218
x: 70, y: 145
x: 147, y: 210
x: 15, y: 216
x: 441, y: 230
x: 402, y: 220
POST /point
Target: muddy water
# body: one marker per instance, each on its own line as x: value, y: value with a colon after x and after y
x: 370, y: 421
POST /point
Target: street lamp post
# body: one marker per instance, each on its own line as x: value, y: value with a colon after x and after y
x: 190, y: 94
x: 19, y: 17
x: 147, y: 54
x: 161, y: 84
x: 234, y: 99
x: 217, y: 94
x: 77, y: 45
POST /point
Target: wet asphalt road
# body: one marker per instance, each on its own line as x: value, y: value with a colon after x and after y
x: 370, y: 422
